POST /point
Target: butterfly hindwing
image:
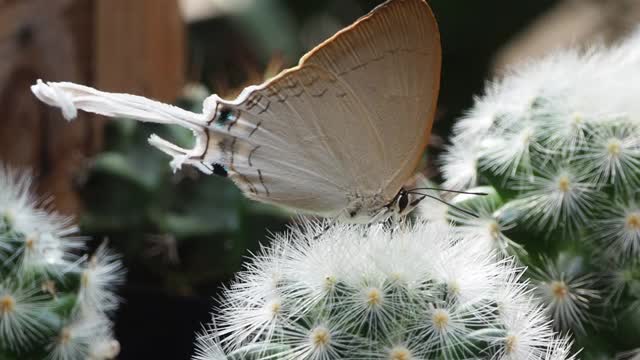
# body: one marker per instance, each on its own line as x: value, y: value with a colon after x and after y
x: 280, y: 148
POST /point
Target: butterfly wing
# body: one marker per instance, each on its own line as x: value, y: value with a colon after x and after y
x: 390, y: 60
x: 351, y: 119
x: 277, y: 146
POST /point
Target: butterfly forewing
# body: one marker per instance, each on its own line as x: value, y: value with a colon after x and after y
x: 352, y: 119
x: 391, y: 61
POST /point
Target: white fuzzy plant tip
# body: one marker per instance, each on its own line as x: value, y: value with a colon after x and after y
x: 53, y: 301
x: 555, y: 144
x: 567, y: 292
x: 33, y: 238
x: 409, y: 291
x: 560, y: 134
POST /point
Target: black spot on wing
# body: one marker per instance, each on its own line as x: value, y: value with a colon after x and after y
x: 226, y: 116
x: 220, y: 170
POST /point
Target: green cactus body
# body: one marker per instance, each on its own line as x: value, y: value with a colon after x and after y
x: 53, y: 302
x: 557, y: 143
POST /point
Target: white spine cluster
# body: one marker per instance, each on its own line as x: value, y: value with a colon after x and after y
x: 42, y: 314
x: 563, y: 132
x: 407, y: 292
x: 557, y: 143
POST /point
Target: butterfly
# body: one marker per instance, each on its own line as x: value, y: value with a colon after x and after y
x: 339, y: 135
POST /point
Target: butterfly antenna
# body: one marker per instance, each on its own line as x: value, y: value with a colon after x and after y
x: 451, y: 191
x: 470, y: 213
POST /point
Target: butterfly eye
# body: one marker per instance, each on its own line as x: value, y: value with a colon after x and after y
x: 403, y: 201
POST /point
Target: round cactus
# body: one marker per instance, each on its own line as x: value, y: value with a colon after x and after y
x: 556, y: 144
x: 415, y: 291
x: 53, y: 302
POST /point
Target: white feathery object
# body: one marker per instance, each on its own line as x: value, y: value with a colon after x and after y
x: 412, y: 291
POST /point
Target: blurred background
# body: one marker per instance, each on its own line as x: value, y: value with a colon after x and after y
x: 184, y: 235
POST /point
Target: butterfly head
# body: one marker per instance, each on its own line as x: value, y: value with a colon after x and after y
x: 404, y: 202
x: 372, y: 210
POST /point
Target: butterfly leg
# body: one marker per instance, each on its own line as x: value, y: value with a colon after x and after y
x: 326, y: 228
x: 381, y: 215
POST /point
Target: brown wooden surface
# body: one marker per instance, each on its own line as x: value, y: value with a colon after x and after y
x: 48, y: 39
x: 124, y: 45
x: 140, y: 47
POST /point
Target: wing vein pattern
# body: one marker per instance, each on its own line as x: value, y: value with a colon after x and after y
x: 351, y: 120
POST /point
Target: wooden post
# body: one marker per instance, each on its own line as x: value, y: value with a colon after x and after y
x: 123, y: 45
x: 140, y: 47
